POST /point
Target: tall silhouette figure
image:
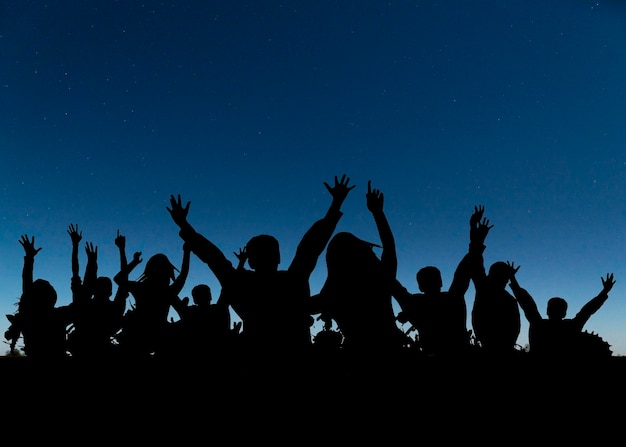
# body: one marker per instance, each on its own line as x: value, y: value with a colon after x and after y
x: 270, y: 302
x: 440, y: 317
x: 357, y: 293
x: 496, y: 316
x: 557, y: 337
x: 145, y: 329
x: 42, y: 325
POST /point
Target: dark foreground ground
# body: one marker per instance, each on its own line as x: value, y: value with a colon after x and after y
x: 318, y: 399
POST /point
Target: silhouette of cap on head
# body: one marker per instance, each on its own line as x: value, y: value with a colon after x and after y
x: 345, y: 249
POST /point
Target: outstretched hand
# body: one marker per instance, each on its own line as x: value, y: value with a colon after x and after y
x: 375, y: 198
x: 91, y: 250
x: 341, y: 189
x: 512, y: 269
x: 120, y: 240
x: 75, y: 235
x: 177, y: 211
x: 479, y: 228
x: 29, y: 246
x: 137, y: 257
x: 477, y: 215
x: 607, y: 284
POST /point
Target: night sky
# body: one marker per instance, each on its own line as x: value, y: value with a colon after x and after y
x: 246, y: 108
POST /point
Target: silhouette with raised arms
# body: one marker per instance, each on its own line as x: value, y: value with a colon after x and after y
x: 146, y: 330
x: 271, y: 303
x: 97, y: 317
x: 357, y: 292
x: 557, y: 337
x: 496, y: 319
x: 440, y: 317
x: 41, y: 324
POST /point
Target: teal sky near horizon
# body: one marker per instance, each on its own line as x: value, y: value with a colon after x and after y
x: 246, y: 108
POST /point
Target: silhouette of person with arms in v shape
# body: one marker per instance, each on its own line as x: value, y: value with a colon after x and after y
x: 496, y: 318
x: 270, y: 302
x: 557, y: 337
x: 440, y: 317
x: 357, y: 293
x: 42, y: 325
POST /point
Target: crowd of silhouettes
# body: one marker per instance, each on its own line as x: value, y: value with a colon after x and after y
x: 277, y: 309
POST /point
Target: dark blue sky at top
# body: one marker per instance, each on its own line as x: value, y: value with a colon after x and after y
x: 246, y: 108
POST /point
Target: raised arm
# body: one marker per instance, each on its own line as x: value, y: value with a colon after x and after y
x: 375, y: 200
x: 594, y: 304
x: 29, y: 261
x: 121, y: 278
x: 317, y: 236
x: 91, y: 270
x: 524, y: 299
x: 179, y: 282
x: 479, y: 229
x: 76, y: 236
x: 204, y: 249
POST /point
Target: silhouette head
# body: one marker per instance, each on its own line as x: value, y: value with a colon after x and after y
x: 346, y: 252
x: 557, y: 308
x: 103, y: 287
x: 429, y: 279
x: 201, y: 295
x: 159, y: 266
x: 41, y: 295
x: 263, y: 253
x: 499, y: 274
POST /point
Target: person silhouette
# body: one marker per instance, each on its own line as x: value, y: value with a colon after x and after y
x: 496, y: 318
x: 97, y: 318
x: 440, y: 317
x: 204, y: 328
x: 145, y: 328
x: 557, y: 337
x: 357, y: 292
x: 42, y: 325
x: 271, y: 303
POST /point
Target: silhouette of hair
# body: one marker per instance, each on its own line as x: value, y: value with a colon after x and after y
x: 42, y: 291
x: 557, y: 308
x: 344, y: 249
x: 263, y: 249
x: 158, y: 265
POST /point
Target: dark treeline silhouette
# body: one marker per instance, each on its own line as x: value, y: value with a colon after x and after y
x: 277, y: 309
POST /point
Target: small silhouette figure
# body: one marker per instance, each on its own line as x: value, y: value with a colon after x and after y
x: 557, y: 337
x: 440, y: 317
x: 203, y: 328
x: 270, y: 302
x: 495, y: 316
x: 41, y: 324
x: 97, y: 317
x: 357, y: 293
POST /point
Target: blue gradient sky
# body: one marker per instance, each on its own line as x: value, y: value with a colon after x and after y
x: 246, y: 108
